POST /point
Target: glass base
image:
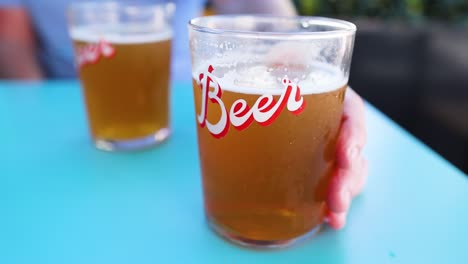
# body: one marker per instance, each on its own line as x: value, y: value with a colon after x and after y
x: 261, y: 244
x: 134, y: 144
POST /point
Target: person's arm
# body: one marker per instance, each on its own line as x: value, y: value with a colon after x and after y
x: 276, y: 7
x: 17, y: 45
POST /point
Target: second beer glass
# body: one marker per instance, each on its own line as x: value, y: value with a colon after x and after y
x: 122, y: 54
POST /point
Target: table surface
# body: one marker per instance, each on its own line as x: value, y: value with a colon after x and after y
x: 62, y: 201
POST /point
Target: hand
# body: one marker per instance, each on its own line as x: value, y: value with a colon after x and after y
x: 350, y: 173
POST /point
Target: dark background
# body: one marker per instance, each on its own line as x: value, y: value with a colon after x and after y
x: 411, y: 61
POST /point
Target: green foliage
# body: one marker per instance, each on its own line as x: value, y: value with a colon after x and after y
x: 413, y: 10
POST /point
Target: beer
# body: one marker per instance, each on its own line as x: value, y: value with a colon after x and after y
x: 125, y: 79
x: 269, y: 95
x: 265, y: 175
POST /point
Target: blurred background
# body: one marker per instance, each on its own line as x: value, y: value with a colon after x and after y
x: 410, y: 58
x: 411, y: 61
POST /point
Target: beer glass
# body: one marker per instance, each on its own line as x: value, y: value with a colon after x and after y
x: 122, y: 53
x: 269, y: 97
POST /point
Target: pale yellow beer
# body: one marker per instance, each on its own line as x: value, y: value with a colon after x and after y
x: 123, y: 54
x: 126, y: 94
x: 269, y: 96
x: 269, y: 182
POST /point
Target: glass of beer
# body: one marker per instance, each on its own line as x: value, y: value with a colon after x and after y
x: 122, y: 53
x: 269, y: 95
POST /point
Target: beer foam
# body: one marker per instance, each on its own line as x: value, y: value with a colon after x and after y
x: 92, y: 34
x: 316, y: 78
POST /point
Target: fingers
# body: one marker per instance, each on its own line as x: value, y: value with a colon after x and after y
x: 351, y: 168
x: 352, y: 136
x: 344, y: 185
x: 336, y: 220
x: 339, y: 192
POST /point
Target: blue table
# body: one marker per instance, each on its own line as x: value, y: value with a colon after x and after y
x: 62, y: 201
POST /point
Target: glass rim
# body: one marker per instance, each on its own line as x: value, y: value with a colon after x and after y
x: 343, y: 28
x: 112, y: 5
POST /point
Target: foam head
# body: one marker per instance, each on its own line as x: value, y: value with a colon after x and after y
x: 312, y: 78
x: 122, y: 35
